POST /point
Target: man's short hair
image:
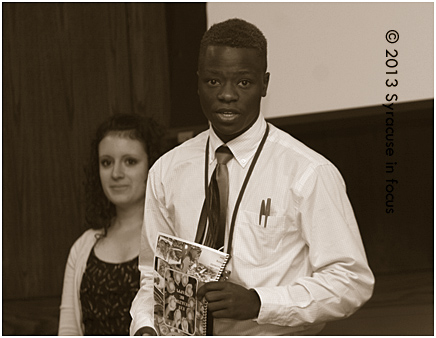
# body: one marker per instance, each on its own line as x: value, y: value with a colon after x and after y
x: 235, y: 33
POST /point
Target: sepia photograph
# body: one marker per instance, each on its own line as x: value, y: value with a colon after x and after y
x: 294, y: 138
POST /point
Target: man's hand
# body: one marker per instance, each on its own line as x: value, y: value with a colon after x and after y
x: 229, y: 300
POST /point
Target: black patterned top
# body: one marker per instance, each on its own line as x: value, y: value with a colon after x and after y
x: 106, y: 294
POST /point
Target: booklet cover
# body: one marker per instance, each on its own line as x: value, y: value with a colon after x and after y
x: 180, y: 268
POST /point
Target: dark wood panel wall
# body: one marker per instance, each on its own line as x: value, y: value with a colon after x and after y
x: 66, y: 67
x: 186, y: 24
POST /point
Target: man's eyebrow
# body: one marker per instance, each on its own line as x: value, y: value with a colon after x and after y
x: 239, y: 72
x: 211, y: 71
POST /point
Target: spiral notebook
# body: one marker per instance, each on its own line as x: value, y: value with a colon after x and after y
x: 180, y: 268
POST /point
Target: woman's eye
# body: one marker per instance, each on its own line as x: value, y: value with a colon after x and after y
x: 105, y: 163
x: 131, y: 161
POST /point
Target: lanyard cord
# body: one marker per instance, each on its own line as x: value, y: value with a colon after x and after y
x: 241, y: 193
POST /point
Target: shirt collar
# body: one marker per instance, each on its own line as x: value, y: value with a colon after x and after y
x: 242, y: 147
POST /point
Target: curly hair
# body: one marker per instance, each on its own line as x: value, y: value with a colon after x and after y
x: 99, y: 210
x: 235, y: 33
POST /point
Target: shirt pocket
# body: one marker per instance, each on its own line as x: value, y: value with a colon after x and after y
x: 255, y: 244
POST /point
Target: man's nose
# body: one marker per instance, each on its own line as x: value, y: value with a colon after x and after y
x: 228, y: 93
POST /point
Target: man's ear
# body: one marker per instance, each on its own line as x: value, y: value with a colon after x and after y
x: 265, y: 84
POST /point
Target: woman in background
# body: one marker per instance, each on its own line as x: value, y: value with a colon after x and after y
x: 101, y: 275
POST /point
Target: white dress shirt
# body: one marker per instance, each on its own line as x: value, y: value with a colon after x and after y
x: 308, y: 264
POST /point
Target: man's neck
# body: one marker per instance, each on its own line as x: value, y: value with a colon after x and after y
x: 228, y: 138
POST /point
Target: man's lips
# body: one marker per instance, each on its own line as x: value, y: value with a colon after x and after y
x: 227, y: 111
x: 227, y: 115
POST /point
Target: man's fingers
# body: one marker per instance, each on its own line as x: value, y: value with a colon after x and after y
x: 217, y: 305
x: 214, y: 296
x: 228, y: 300
x: 211, y: 286
x: 220, y: 314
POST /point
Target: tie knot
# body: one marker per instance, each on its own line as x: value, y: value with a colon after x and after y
x: 223, y: 155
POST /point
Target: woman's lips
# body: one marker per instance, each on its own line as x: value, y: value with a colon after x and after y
x: 119, y: 187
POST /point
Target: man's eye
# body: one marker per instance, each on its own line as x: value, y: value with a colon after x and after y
x: 213, y: 82
x: 244, y: 83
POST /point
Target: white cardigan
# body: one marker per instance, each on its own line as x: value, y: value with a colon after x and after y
x: 70, y: 321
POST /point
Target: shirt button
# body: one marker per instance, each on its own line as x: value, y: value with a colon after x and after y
x: 243, y: 161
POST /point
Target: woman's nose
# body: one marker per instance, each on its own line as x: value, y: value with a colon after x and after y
x: 117, y: 171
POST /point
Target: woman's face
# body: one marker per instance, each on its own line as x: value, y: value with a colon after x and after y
x: 123, y: 165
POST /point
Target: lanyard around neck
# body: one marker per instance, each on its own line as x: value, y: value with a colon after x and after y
x: 203, y: 217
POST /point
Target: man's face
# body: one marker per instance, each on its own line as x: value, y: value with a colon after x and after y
x: 231, y: 83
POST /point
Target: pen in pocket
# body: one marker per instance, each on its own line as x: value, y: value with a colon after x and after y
x: 264, y: 212
x: 267, y: 211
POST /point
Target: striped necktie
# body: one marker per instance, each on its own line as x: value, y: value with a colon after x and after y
x: 219, y: 195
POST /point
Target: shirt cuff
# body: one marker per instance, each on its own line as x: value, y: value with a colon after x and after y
x: 276, y: 303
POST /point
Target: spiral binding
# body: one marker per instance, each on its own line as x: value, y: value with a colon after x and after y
x: 222, y: 275
x: 204, y: 326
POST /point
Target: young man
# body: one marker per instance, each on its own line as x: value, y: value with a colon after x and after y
x: 296, y: 264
